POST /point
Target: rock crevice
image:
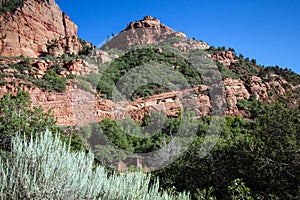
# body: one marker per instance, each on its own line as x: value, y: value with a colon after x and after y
x: 66, y: 32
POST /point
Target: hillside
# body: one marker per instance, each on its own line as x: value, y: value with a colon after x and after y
x: 53, y: 82
x: 201, y: 118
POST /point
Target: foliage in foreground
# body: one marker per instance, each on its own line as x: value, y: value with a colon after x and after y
x: 263, y: 153
x: 45, y: 169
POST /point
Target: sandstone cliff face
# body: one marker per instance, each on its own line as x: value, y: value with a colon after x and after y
x: 150, y: 31
x: 78, y: 107
x: 264, y: 90
x: 36, y: 29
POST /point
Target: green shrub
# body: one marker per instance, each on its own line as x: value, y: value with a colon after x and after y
x: 116, y: 133
x: 22, y: 66
x: 10, y: 5
x: 52, y: 81
x: 91, y: 78
x: 86, y: 49
x: 225, y: 72
x: 17, y: 116
x: 237, y: 190
x: 85, y: 86
x: 3, y: 82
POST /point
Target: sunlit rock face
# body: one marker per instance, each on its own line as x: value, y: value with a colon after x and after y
x: 36, y: 29
x: 150, y: 31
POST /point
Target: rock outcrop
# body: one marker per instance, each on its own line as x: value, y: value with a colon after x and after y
x: 265, y: 90
x: 36, y: 29
x: 235, y: 90
x: 150, y: 31
x: 224, y: 57
x: 190, y: 45
x: 147, y: 22
x: 100, y: 56
x: 40, y: 66
x: 78, y: 107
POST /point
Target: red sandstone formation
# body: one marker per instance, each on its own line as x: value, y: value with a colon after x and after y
x: 36, y: 29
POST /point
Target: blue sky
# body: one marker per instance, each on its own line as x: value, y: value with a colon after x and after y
x: 267, y: 30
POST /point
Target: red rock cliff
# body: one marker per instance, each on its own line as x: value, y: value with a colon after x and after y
x: 36, y: 29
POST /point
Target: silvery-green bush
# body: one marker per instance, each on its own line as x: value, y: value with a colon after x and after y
x: 45, y: 168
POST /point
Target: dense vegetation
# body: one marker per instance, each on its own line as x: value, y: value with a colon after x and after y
x: 262, y: 155
x: 86, y: 48
x: 24, y: 73
x: 254, y: 158
x: 151, y: 62
x: 17, y: 117
x: 287, y: 74
x: 52, y: 81
x: 129, y: 136
x: 10, y: 5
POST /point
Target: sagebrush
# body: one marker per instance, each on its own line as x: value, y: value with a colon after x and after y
x: 45, y: 168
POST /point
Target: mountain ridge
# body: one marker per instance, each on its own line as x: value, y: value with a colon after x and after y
x: 243, y: 79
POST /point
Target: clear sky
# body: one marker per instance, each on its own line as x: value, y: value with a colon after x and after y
x: 267, y: 30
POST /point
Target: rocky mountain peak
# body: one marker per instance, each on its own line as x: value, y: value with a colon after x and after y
x: 149, y: 30
x: 147, y: 22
